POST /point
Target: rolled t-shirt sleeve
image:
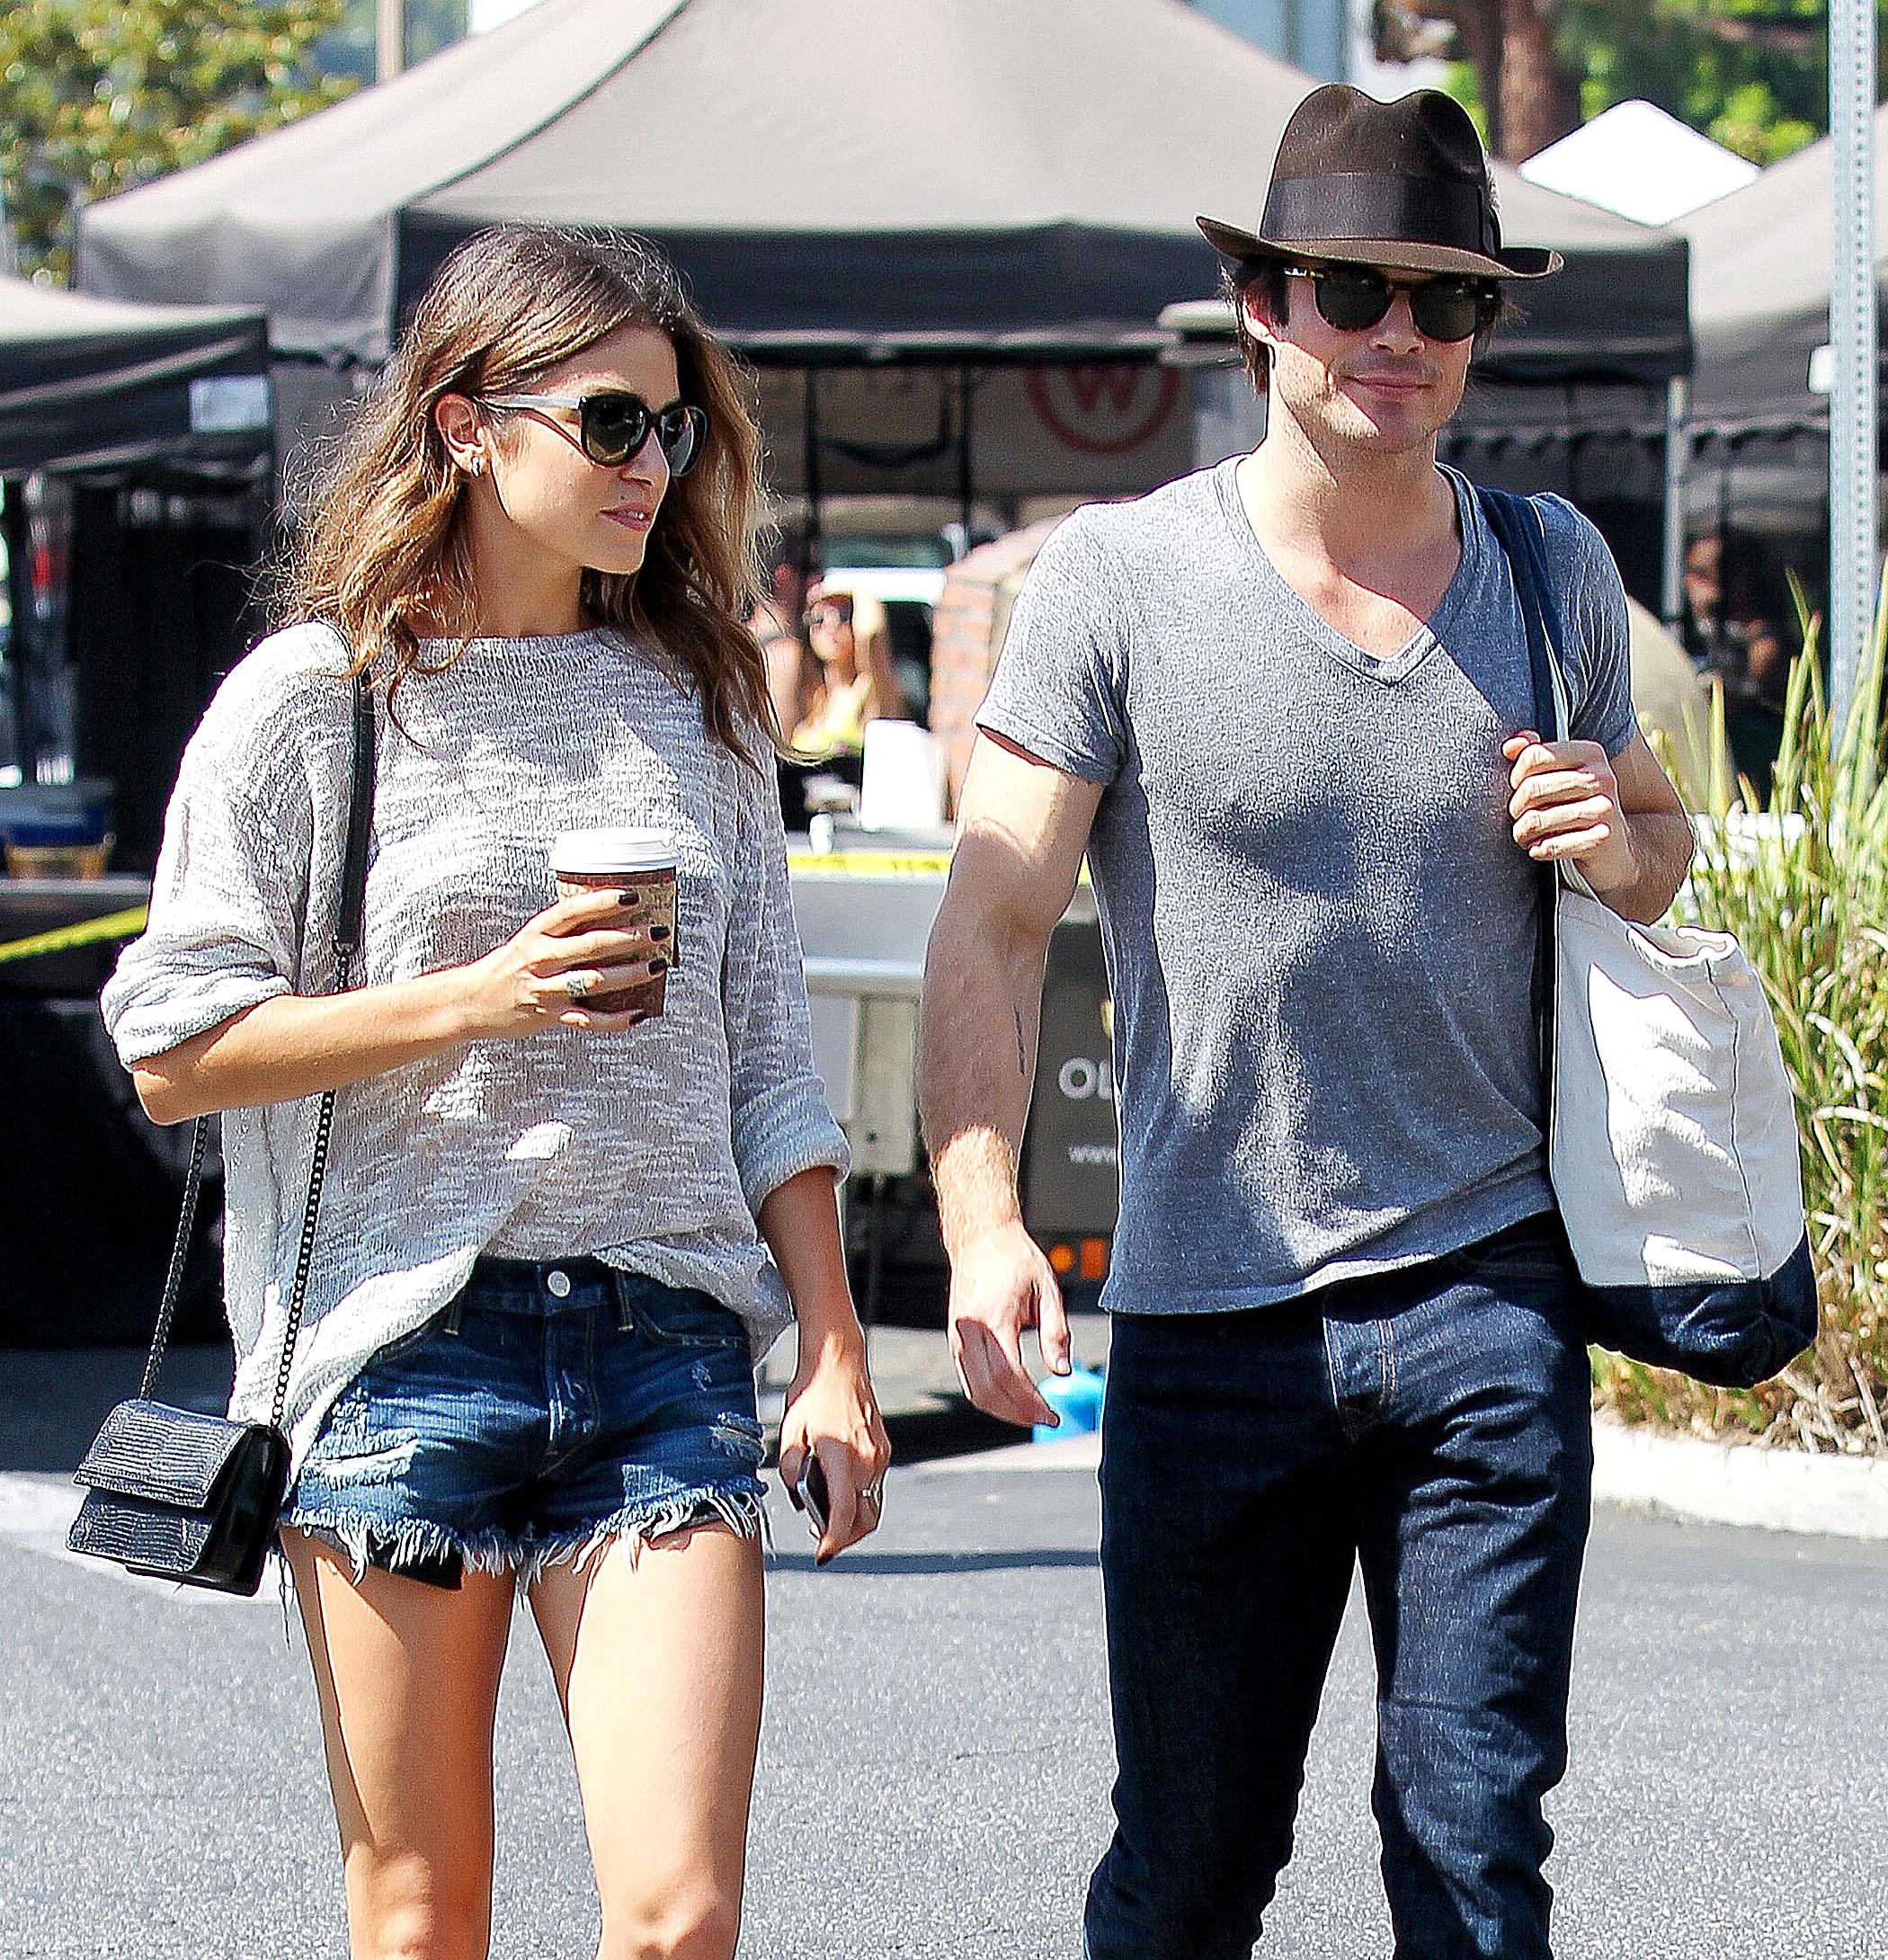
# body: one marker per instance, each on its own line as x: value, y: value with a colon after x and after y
x: 1059, y: 690
x: 229, y: 894
x: 780, y: 1124
x: 1598, y: 627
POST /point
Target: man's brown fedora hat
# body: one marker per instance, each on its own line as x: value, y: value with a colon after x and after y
x: 1404, y: 185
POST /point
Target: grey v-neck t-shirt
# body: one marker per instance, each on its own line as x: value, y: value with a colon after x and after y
x: 1320, y: 931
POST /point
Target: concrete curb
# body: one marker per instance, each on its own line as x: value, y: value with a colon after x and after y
x: 1738, y: 1483
x: 1725, y: 1484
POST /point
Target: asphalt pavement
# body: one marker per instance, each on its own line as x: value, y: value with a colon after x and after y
x: 935, y: 1761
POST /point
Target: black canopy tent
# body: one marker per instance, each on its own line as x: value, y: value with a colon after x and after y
x: 135, y: 411
x: 949, y: 184
x: 108, y: 386
x: 1760, y: 409
x: 1760, y: 288
x: 158, y: 419
x: 1760, y: 294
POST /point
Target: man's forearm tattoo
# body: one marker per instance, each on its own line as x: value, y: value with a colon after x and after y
x: 1022, y: 1053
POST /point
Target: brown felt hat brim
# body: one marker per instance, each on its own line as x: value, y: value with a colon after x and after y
x: 1392, y: 255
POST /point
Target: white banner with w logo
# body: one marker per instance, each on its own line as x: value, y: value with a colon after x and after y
x: 1097, y: 429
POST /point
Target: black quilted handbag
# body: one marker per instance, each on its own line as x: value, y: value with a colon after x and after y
x: 173, y: 1493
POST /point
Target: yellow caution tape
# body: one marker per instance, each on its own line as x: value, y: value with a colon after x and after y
x: 878, y: 864
x: 113, y: 925
x: 129, y: 924
x: 870, y: 863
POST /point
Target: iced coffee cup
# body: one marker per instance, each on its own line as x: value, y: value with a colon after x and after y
x: 641, y: 864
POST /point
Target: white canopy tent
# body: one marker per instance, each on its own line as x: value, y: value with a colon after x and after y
x: 1637, y: 160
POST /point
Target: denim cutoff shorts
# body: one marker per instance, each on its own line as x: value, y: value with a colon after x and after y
x: 553, y: 1407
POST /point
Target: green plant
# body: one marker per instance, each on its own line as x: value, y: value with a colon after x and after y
x: 99, y: 96
x: 1802, y: 882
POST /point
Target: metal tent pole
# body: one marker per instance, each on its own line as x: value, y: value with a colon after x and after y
x: 810, y: 453
x: 965, y: 485
x: 19, y: 593
x: 1853, y: 460
x: 1678, y: 468
x: 389, y: 38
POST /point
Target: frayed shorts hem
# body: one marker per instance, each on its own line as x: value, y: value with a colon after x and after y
x: 366, y: 1540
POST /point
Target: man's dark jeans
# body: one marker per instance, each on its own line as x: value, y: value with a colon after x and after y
x: 1431, y: 1425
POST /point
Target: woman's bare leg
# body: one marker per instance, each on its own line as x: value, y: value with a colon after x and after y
x: 407, y: 1676
x: 658, y: 1652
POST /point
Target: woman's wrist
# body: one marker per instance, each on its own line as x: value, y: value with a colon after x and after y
x: 441, y: 1007
x: 829, y: 1332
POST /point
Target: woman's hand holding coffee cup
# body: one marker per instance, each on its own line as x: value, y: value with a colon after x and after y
x: 564, y: 959
x: 640, y: 865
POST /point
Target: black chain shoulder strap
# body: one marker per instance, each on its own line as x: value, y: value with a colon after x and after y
x: 347, y: 944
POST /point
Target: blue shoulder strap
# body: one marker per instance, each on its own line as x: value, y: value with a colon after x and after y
x: 1516, y: 521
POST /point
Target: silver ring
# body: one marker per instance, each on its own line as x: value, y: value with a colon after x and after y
x: 874, y: 1493
x: 576, y: 984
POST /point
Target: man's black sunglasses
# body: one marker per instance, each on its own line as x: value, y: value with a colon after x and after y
x: 613, y: 425
x: 1352, y: 298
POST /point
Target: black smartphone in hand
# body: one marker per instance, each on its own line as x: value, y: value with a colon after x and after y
x: 810, y: 1493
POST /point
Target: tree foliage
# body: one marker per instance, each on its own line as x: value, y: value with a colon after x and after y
x: 1752, y: 75
x: 97, y: 96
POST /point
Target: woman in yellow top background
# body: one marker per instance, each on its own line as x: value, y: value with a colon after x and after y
x: 856, y: 683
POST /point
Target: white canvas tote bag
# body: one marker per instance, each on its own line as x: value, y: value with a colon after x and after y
x: 1672, y: 1131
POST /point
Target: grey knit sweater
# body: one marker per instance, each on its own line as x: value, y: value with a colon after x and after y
x: 651, y: 1150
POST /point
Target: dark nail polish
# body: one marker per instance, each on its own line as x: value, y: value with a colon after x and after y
x: 658, y: 965
x: 626, y: 898
x: 658, y: 932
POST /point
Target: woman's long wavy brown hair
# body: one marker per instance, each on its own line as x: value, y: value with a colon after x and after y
x: 380, y: 539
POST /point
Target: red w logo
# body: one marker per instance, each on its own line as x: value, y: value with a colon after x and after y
x: 1103, y: 411
x: 1118, y: 384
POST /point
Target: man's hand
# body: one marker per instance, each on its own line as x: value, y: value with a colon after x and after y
x: 1000, y: 1284
x: 1565, y: 803
x: 1022, y: 826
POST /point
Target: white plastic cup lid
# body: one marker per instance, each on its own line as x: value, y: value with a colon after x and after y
x: 587, y: 851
